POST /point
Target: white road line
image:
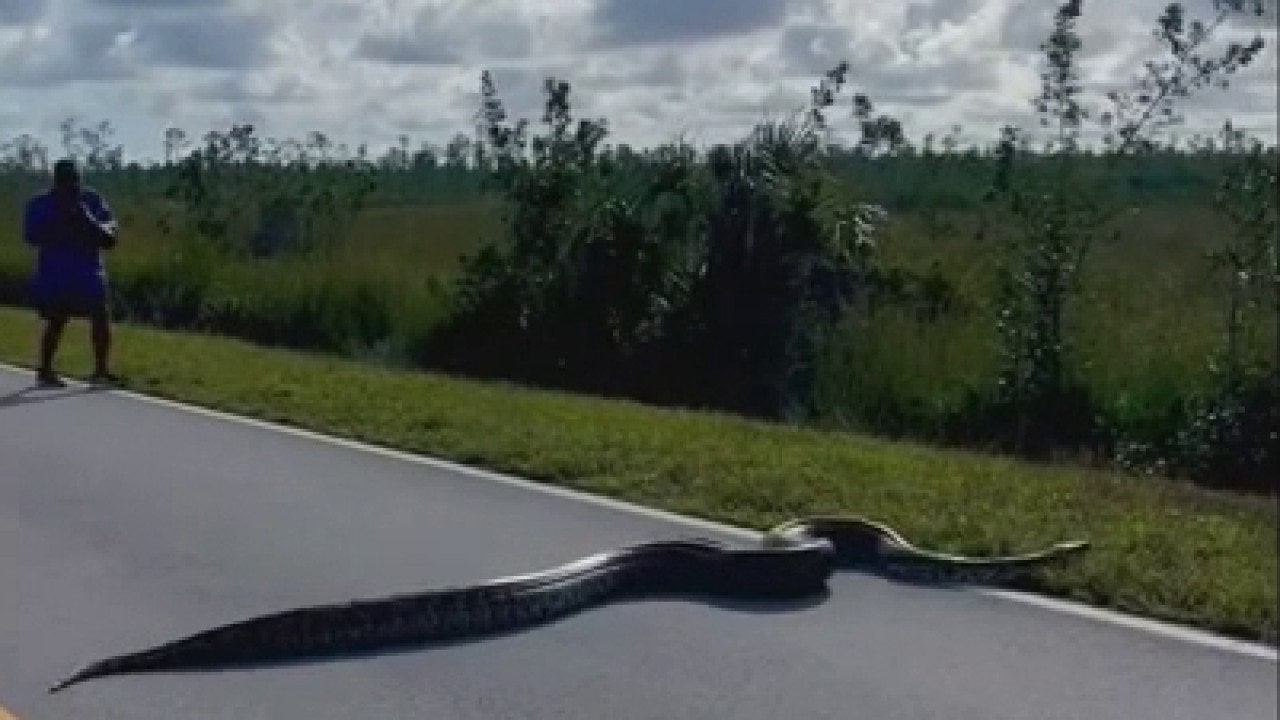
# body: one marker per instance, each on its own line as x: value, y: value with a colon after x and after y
x: 1156, y: 627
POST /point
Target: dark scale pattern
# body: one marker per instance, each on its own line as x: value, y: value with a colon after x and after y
x: 795, y: 560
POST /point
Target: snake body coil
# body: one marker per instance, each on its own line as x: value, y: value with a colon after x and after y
x: 795, y: 560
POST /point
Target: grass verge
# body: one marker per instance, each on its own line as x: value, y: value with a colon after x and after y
x: 1160, y: 549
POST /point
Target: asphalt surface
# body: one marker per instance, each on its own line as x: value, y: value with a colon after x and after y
x: 125, y: 524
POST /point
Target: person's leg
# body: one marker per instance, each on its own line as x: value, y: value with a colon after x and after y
x: 100, y: 328
x: 51, y: 334
x: 45, y: 301
x: 97, y: 307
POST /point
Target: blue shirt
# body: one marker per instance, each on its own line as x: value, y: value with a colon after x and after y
x: 66, y: 252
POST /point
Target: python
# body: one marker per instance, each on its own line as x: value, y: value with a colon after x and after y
x: 795, y: 560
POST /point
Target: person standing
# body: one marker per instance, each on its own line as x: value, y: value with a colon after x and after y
x: 70, y: 225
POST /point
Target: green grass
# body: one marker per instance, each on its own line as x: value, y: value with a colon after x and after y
x: 1159, y: 549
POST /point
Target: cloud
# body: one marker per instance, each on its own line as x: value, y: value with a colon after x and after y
x: 239, y: 89
x: 812, y: 49
x: 224, y: 40
x: 407, y: 50
x: 621, y: 23
x: 165, y: 4
x: 81, y: 52
x: 933, y: 15
x: 22, y: 12
x: 453, y: 33
x: 368, y: 70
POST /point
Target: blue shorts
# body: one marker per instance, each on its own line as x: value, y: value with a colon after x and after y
x: 81, y: 295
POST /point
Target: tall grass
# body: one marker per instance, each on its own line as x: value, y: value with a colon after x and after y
x: 376, y: 293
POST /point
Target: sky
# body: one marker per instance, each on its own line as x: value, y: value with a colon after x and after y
x: 703, y: 70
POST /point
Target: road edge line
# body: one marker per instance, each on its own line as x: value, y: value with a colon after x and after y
x: 1153, y: 626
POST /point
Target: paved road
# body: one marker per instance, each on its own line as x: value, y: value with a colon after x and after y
x: 124, y: 523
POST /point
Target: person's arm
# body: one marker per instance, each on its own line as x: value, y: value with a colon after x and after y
x: 99, y: 219
x: 36, y: 227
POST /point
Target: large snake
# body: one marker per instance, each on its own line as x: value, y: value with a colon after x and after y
x: 795, y: 561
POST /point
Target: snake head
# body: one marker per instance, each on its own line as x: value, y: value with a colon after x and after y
x: 1070, y: 546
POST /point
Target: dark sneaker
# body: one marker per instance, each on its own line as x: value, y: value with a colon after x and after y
x: 103, y: 377
x: 49, y: 379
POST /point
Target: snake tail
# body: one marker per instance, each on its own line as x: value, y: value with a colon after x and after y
x: 678, y: 567
x: 362, y: 625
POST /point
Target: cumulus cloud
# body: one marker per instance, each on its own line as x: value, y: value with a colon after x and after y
x: 164, y: 4
x: 238, y: 89
x: 933, y: 15
x: 22, y: 12
x: 368, y: 70
x: 450, y: 33
x: 627, y: 22
x: 79, y: 52
x: 224, y: 40
x: 810, y: 49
